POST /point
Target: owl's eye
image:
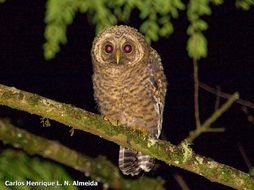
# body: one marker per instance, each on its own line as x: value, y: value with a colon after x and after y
x: 127, y: 48
x: 108, y: 48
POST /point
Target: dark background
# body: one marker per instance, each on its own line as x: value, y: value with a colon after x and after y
x: 67, y: 78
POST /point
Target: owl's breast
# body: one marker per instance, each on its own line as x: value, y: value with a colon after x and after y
x: 112, y: 93
x: 125, y: 98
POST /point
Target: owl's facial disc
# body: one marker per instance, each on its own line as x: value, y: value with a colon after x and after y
x: 118, y: 50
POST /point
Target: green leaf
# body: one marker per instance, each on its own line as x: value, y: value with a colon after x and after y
x: 178, y: 4
x: 190, y: 30
x: 217, y: 2
x: 204, y: 9
x: 59, y: 14
x: 145, y: 10
x: 244, y: 4
x: 126, y: 12
x: 174, y: 13
x: 201, y: 25
x: 166, y: 29
x: 83, y: 6
x: 197, y: 46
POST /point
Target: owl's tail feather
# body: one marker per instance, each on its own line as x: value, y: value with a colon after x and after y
x: 133, y: 162
x: 128, y: 161
x: 146, y: 162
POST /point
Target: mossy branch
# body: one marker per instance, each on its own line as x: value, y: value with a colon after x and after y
x: 180, y: 156
x: 99, y: 169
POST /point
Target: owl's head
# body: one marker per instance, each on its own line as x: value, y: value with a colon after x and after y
x: 119, y: 46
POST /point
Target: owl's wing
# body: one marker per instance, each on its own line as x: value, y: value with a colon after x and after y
x: 158, y: 88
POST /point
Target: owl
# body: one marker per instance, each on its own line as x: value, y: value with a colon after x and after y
x: 129, y: 87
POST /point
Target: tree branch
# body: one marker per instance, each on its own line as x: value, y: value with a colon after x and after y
x: 221, y: 94
x: 99, y: 169
x: 180, y: 156
x: 181, y: 182
x: 196, y: 94
x: 205, y: 127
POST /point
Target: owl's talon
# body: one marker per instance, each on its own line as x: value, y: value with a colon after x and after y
x: 112, y: 121
x: 141, y: 130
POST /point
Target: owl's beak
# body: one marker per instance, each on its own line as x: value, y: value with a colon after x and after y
x: 118, y: 55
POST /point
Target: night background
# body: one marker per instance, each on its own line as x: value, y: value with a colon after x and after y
x: 67, y: 78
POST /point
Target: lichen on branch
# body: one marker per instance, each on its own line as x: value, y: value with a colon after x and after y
x: 99, y: 169
x: 180, y: 156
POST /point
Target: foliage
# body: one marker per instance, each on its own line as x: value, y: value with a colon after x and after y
x: 197, y: 44
x: 155, y: 14
x: 244, y: 4
x: 59, y: 15
x: 156, y: 17
x: 17, y: 166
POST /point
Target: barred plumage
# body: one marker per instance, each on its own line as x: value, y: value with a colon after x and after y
x: 130, y: 87
x: 132, y: 162
x: 128, y: 161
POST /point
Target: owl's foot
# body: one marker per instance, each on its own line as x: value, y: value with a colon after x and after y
x: 111, y: 120
x: 140, y: 130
